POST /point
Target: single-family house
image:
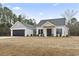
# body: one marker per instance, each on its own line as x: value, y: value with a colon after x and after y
x: 48, y: 27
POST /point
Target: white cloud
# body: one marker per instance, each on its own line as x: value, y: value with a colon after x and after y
x: 55, y: 4
x: 17, y: 8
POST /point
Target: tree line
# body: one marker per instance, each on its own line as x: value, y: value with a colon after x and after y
x: 8, y: 18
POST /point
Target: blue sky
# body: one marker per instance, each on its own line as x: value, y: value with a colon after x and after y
x: 41, y: 11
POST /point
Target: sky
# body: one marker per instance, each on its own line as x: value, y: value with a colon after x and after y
x: 40, y: 11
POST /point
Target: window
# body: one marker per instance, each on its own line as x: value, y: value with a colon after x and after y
x: 40, y: 31
x: 59, y: 31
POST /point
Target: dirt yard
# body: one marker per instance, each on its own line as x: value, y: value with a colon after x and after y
x: 36, y: 46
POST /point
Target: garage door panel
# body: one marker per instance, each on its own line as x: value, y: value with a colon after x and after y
x: 18, y: 32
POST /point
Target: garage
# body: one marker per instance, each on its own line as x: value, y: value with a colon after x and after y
x: 18, y: 32
x: 21, y: 29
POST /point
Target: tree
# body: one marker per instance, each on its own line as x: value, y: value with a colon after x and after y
x: 21, y: 18
x: 73, y: 20
x: 70, y: 20
x: 69, y: 14
x: 34, y: 22
x: 0, y: 5
x: 14, y: 20
x: 73, y: 27
x: 5, y: 15
x: 8, y: 18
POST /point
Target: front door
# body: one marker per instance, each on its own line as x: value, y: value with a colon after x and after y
x: 49, y: 32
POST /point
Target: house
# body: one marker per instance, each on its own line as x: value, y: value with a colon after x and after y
x: 52, y: 27
x: 21, y: 29
x: 49, y: 27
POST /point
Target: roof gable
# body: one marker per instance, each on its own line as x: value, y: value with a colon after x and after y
x: 57, y: 22
x: 18, y: 25
x: 22, y: 26
x: 47, y: 23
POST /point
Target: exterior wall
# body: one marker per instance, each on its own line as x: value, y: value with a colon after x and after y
x: 64, y: 30
x: 37, y: 29
x: 28, y: 32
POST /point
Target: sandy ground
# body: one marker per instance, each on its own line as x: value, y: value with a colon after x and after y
x: 4, y: 37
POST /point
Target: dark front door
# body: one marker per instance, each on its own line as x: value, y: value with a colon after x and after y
x: 18, y: 32
x: 49, y: 32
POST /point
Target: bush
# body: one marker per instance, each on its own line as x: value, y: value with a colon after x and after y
x: 5, y: 29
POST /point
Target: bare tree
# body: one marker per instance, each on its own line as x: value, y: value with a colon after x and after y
x: 69, y: 14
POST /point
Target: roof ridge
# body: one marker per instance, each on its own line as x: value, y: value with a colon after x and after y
x: 52, y: 19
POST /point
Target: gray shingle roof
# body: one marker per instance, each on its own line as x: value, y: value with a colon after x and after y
x: 57, y: 22
x: 28, y: 25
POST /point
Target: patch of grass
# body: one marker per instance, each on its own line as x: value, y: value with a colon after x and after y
x: 36, y: 46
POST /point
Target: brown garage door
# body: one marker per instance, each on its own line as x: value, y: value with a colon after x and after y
x: 18, y: 32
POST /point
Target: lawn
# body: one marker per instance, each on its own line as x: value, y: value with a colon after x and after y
x: 36, y: 46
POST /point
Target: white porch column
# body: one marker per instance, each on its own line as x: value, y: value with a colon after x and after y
x: 45, y: 32
x: 63, y: 32
x: 11, y: 32
x: 54, y: 31
x: 25, y: 32
x: 37, y: 31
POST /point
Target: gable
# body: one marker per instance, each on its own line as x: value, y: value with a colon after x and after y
x: 18, y: 25
x: 46, y: 24
x: 57, y: 22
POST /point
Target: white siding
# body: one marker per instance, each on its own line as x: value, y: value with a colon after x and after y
x: 47, y: 24
x: 54, y: 31
x: 64, y: 30
x: 20, y: 26
x: 37, y: 29
x: 28, y: 32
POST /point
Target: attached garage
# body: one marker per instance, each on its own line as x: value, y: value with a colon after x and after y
x: 21, y: 29
x: 18, y: 32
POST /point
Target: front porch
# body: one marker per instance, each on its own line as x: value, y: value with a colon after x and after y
x: 49, y: 32
x: 46, y: 32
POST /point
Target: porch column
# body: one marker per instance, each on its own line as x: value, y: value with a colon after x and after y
x: 45, y: 32
x: 63, y: 32
x: 11, y: 32
x: 25, y: 33
x: 54, y: 31
x: 37, y: 31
